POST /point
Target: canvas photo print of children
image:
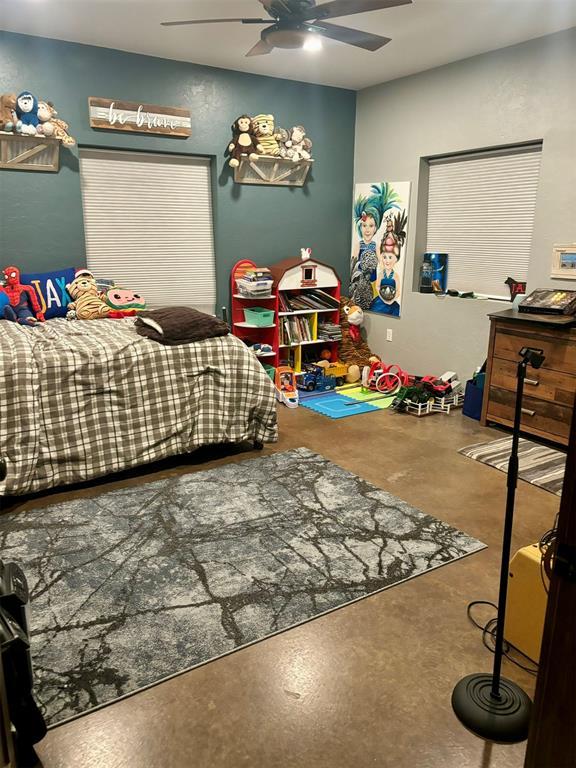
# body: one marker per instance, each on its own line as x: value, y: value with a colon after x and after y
x: 379, y: 233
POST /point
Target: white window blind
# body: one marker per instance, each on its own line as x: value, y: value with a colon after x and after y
x: 481, y: 212
x: 148, y: 225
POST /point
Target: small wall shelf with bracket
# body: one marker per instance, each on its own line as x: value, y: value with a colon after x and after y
x: 279, y: 171
x: 29, y: 153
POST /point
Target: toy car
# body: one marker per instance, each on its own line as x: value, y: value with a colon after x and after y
x: 439, y: 387
x: 313, y: 377
x: 285, y: 382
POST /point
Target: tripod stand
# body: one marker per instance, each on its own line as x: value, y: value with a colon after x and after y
x: 491, y: 706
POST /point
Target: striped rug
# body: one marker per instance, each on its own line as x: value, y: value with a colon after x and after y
x: 538, y: 464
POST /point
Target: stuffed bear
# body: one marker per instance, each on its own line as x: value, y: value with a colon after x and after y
x: 27, y: 113
x: 86, y: 302
x: 8, y: 112
x: 266, y: 134
x: 243, y: 141
x: 298, y: 145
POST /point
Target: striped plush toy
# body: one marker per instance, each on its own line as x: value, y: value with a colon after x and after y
x: 86, y: 301
x: 267, y: 135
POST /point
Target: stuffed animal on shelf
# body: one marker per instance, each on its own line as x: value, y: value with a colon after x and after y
x: 8, y: 117
x: 282, y: 137
x: 60, y: 127
x: 45, y: 127
x: 23, y: 306
x: 122, y: 300
x: 298, y: 145
x: 243, y: 141
x: 86, y: 303
x: 266, y: 134
x: 27, y: 113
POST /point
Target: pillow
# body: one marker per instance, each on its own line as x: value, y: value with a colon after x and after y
x: 179, y: 325
x: 51, y: 290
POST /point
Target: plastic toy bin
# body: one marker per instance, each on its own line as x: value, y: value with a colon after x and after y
x: 259, y: 316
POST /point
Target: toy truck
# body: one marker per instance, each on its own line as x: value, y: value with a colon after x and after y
x: 315, y: 377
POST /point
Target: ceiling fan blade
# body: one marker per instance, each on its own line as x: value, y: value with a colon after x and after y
x: 211, y: 21
x: 336, y: 8
x: 365, y: 40
x: 260, y: 49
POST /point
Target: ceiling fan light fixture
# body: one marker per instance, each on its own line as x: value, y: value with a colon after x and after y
x: 313, y: 42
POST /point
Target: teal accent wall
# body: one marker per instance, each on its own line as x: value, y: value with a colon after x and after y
x: 41, y: 213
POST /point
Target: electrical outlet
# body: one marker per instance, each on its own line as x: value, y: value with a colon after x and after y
x: 389, y: 334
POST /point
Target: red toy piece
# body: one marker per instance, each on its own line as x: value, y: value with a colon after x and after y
x: 435, y: 386
x: 24, y: 307
x: 386, y: 379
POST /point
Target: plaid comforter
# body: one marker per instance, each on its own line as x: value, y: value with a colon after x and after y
x: 83, y: 399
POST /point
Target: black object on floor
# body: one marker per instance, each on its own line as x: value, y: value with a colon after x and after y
x: 491, y: 706
x: 26, y: 718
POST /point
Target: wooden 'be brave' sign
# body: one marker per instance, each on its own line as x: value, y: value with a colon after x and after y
x: 139, y: 118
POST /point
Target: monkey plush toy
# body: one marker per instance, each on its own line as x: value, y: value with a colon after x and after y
x: 243, y: 142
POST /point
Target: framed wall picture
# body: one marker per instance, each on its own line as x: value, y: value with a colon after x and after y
x: 564, y: 262
x: 379, y: 234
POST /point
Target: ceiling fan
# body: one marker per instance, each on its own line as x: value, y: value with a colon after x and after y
x: 293, y: 23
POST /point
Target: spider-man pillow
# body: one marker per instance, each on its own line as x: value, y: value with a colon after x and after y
x: 51, y: 290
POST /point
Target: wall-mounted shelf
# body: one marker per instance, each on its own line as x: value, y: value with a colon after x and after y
x: 278, y: 171
x: 29, y: 153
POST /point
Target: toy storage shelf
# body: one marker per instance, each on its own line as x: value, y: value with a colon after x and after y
x: 291, y: 277
x: 29, y: 153
x: 278, y: 171
x: 298, y: 329
x: 249, y: 332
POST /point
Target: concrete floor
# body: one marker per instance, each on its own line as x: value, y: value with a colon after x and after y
x: 367, y: 685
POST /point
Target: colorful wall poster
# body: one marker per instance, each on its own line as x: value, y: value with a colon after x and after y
x: 379, y: 234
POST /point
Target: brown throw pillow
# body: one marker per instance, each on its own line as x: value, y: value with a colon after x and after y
x: 179, y: 325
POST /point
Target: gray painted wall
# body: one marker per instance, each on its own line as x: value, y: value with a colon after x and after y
x: 514, y: 95
x: 41, y: 213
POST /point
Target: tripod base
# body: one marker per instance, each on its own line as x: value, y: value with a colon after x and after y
x: 504, y: 720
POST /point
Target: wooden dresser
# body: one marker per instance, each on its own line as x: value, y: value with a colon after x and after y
x: 549, y: 391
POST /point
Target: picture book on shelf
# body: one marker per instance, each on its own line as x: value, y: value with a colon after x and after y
x: 295, y: 330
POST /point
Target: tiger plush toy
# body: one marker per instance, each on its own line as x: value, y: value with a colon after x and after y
x: 267, y: 135
x: 86, y: 301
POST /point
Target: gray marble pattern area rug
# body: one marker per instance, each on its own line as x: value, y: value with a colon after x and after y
x: 537, y: 464
x: 138, y: 584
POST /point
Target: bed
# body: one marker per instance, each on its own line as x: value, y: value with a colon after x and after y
x: 83, y: 399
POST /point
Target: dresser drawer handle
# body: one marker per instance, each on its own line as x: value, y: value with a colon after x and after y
x: 528, y: 412
x: 533, y: 382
